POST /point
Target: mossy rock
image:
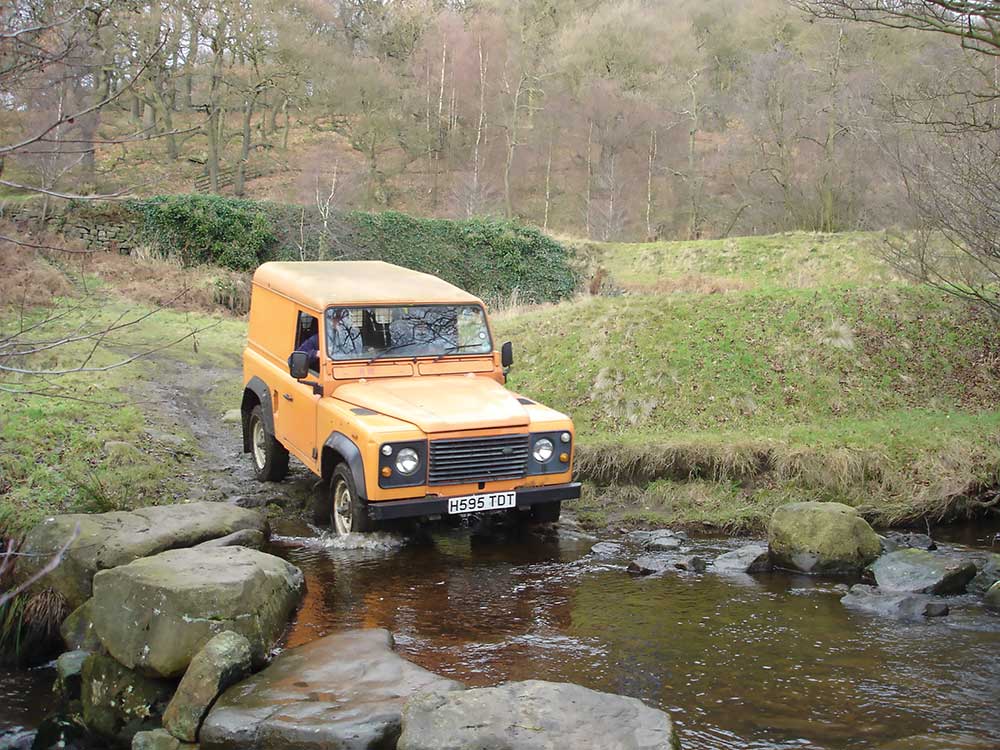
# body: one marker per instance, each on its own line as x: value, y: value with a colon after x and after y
x: 118, y: 702
x: 821, y: 538
x: 156, y: 613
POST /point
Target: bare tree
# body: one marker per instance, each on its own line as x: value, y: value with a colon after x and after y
x: 950, y: 162
x: 975, y: 22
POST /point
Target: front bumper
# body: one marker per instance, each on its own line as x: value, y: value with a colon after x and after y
x: 432, y: 505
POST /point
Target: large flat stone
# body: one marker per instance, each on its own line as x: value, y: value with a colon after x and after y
x: 920, y: 572
x: 156, y: 613
x: 533, y: 715
x: 107, y: 540
x: 342, y: 692
x: 821, y: 538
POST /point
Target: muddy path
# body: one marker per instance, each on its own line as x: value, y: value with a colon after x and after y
x: 194, y: 411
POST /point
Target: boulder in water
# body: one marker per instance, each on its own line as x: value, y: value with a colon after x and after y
x: 896, y: 540
x: 662, y: 563
x: 989, y: 573
x: 753, y: 558
x: 821, y: 538
x: 992, y: 598
x: 221, y: 662
x: 69, y: 671
x: 343, y: 691
x: 159, y: 739
x: 533, y: 715
x: 902, y: 606
x: 118, y: 702
x: 921, y: 572
x: 156, y: 613
x: 107, y: 540
x: 606, y: 549
x: 77, y: 630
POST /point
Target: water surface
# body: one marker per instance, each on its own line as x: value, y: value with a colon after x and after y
x: 772, y: 661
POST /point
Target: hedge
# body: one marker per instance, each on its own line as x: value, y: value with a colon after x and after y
x: 494, y: 259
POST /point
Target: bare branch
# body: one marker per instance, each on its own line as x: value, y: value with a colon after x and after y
x: 6, y: 596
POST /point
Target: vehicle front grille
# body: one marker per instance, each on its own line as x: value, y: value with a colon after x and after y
x: 478, y: 459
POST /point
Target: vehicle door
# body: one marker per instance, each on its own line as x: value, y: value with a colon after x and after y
x: 295, y: 418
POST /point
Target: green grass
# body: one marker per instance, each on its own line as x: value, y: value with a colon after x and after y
x: 792, y: 260
x: 814, y: 377
x: 90, y: 445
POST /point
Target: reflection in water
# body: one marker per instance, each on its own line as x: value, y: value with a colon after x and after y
x: 764, y: 662
x: 25, y: 697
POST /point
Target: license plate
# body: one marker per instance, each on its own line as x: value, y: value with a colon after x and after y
x: 482, y: 503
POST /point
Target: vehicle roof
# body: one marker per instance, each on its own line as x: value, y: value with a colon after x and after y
x: 319, y: 284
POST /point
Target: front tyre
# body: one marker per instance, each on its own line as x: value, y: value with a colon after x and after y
x: 350, y: 512
x: 269, y: 457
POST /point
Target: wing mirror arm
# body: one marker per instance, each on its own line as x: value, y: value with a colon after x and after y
x: 298, y: 368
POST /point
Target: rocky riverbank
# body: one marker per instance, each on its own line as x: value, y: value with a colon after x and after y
x: 902, y: 575
x: 174, y: 642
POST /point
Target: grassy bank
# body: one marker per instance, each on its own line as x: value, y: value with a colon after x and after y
x: 720, y: 384
x: 739, y: 374
x: 85, y: 441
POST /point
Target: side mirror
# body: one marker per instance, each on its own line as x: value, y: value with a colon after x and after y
x: 298, y: 365
x: 507, y: 355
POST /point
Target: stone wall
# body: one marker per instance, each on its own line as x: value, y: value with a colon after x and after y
x: 95, y: 229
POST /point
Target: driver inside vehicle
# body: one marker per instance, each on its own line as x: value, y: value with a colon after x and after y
x: 343, y: 337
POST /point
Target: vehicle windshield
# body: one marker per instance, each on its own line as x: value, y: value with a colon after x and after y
x: 412, y: 331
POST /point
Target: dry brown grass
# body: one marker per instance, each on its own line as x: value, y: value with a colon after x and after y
x: 949, y: 483
x: 28, y: 279
x: 34, y: 277
x: 164, y: 283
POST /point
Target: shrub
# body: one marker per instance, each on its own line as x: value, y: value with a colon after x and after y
x: 494, y: 259
x: 236, y: 234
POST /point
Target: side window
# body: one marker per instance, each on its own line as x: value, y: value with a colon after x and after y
x: 307, y: 338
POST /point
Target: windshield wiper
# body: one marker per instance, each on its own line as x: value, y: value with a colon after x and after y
x: 384, y: 351
x: 453, y: 349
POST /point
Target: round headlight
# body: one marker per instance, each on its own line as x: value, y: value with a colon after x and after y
x: 407, y: 461
x: 565, y: 437
x: 543, y: 450
x: 386, y: 450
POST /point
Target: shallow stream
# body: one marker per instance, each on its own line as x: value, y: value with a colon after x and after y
x: 770, y: 661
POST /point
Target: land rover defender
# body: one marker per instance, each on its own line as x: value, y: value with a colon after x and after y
x: 388, y: 385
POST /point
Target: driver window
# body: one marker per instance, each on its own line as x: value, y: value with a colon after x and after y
x: 307, y: 339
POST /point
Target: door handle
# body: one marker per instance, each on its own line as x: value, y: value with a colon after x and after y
x: 287, y: 397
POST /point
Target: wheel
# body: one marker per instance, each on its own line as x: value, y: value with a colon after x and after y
x: 269, y: 457
x: 350, y: 512
x: 546, y: 512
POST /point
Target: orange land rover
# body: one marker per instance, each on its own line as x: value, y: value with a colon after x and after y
x: 387, y: 383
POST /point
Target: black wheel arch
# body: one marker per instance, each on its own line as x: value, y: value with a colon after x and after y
x: 337, y: 449
x: 256, y: 393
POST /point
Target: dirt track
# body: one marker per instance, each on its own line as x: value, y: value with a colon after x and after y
x: 181, y: 414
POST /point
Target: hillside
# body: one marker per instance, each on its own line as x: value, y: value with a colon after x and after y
x: 709, y: 382
x: 733, y: 375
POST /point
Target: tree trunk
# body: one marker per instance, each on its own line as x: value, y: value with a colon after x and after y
x: 649, y: 185
x: 694, y: 180
x: 481, y: 124
x: 590, y: 174
x: 548, y: 183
